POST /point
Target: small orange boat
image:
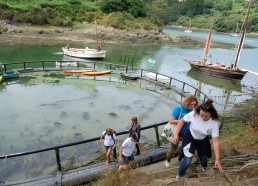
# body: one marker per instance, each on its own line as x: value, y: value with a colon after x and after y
x: 78, y: 71
x: 97, y: 73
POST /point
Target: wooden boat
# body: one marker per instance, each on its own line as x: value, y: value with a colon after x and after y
x: 97, y: 73
x: 78, y: 71
x: 232, y: 72
x: 9, y: 74
x: 130, y: 76
x: 85, y: 53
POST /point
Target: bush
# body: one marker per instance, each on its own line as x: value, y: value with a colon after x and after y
x: 135, y: 7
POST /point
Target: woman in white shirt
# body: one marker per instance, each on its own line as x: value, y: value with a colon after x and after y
x: 204, y: 121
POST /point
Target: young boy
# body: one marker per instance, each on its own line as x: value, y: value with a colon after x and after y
x: 126, y: 152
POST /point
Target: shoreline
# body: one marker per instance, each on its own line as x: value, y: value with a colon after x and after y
x: 87, y: 34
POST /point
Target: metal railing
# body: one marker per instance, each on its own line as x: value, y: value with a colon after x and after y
x: 158, y: 77
x: 56, y: 149
x: 26, y: 67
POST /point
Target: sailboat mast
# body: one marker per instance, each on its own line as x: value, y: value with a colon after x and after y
x: 242, y: 37
x: 208, y: 43
x: 97, y: 39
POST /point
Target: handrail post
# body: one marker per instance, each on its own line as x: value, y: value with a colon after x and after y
x: 24, y: 67
x: 157, y: 135
x: 58, y: 159
x: 5, y: 68
x: 183, y: 89
x: 43, y: 65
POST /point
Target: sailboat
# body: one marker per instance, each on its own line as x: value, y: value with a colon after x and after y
x: 236, y: 32
x: 232, y: 72
x: 189, y: 29
x: 86, y: 53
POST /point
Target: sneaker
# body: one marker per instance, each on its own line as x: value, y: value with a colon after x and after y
x: 204, y: 169
x: 167, y: 164
x: 177, y: 177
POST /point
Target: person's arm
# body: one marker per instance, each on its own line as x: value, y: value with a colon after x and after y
x: 178, y: 128
x: 172, y: 120
x: 141, y: 149
x: 216, y: 146
x: 100, y: 140
x: 138, y: 131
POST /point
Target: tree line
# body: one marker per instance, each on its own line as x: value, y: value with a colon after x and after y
x: 134, y: 14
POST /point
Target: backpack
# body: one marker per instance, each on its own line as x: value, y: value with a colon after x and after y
x: 113, y: 132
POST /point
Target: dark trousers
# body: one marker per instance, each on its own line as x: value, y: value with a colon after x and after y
x: 138, y: 149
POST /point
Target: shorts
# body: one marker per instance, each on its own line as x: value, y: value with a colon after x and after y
x: 109, y: 147
x: 127, y: 159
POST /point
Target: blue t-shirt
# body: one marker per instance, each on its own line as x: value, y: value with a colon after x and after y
x: 178, y: 113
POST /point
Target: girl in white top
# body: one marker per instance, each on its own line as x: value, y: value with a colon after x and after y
x: 203, y: 122
x: 110, y: 141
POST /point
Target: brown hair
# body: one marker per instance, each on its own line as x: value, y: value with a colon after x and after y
x: 187, y: 100
x: 207, y: 106
x: 109, y: 130
x: 134, y: 118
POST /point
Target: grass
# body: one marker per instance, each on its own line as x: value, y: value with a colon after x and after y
x: 114, y: 178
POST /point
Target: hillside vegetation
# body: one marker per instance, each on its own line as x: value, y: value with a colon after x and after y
x: 130, y: 14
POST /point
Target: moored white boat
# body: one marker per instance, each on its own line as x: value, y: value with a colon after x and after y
x: 158, y: 77
x: 86, y: 53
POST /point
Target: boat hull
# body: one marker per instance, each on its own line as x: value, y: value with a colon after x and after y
x: 224, y: 73
x: 129, y: 76
x: 77, y: 71
x: 84, y: 53
x: 97, y: 73
x: 9, y: 74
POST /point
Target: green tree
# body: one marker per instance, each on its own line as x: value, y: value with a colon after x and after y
x: 135, y: 7
x: 222, y: 5
x: 160, y: 11
x: 193, y: 7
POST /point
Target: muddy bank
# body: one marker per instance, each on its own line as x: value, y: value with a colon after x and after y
x: 87, y: 34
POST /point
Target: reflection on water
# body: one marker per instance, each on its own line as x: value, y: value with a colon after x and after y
x: 217, y: 82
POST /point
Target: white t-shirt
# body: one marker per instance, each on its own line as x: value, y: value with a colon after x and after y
x: 129, y: 146
x: 199, y: 128
x: 108, y: 141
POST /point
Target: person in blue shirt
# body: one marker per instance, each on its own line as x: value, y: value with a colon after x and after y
x: 187, y: 105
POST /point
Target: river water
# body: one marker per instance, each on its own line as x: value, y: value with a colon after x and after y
x: 40, y: 113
